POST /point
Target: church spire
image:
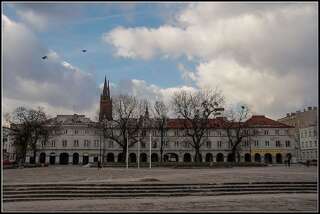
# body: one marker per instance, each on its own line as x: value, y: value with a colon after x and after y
x: 105, y: 89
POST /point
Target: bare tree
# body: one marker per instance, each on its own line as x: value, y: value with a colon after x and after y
x: 160, y: 113
x: 197, y: 109
x: 29, y: 127
x: 237, y: 130
x: 125, y: 124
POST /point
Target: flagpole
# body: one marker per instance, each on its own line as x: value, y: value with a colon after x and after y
x: 150, y: 151
x: 127, y: 159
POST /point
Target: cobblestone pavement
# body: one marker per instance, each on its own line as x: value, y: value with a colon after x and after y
x: 164, y: 175
x: 274, y: 202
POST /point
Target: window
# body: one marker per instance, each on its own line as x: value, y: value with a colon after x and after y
x: 154, y: 145
x: 176, y: 144
x: 75, y: 131
x: 66, y: 131
x: 64, y: 143
x: 266, y: 132
x: 176, y: 133
x: 86, y: 131
x: 219, y: 133
x: 96, y: 143
x: 278, y: 144
x: 53, y: 143
x: 110, y: 144
x: 309, y: 133
x: 315, y: 143
x: 75, y: 143
x: 165, y: 144
x: 219, y: 144
x: 255, y: 132
x: 143, y: 145
x: 43, y: 143
x: 256, y: 143
x: 267, y: 143
x: 277, y: 132
x: 287, y: 143
x: 208, y: 144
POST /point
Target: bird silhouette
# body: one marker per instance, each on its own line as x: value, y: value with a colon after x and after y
x: 44, y: 57
x: 84, y: 50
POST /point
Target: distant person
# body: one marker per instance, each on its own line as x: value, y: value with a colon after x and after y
x: 289, y: 160
x: 99, y: 165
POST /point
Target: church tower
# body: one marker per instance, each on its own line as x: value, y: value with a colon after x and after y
x: 105, y: 102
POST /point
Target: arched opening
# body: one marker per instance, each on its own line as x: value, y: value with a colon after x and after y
x: 268, y: 158
x: 42, y: 158
x: 85, y: 159
x: 75, y: 158
x: 64, y: 158
x: 257, y: 157
x: 247, y: 157
x: 165, y: 158
x: 230, y: 157
x: 278, y: 158
x: 132, y: 158
x: 52, y: 160
x: 120, y: 157
x: 220, y: 157
x: 110, y: 157
x: 187, y: 157
x: 209, y: 157
x: 143, y: 157
x: 154, y: 157
x: 95, y: 159
x: 172, y: 157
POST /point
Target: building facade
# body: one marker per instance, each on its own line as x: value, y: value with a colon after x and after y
x: 81, y: 142
x: 8, y: 147
x: 301, y: 120
x: 309, y: 143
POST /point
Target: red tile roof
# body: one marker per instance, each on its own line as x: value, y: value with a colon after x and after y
x: 220, y: 122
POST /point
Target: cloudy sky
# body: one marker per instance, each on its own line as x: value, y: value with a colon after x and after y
x: 262, y: 54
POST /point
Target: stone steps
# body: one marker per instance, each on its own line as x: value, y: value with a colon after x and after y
x: 25, y: 192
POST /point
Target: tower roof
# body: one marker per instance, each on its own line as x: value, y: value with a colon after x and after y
x: 106, y: 89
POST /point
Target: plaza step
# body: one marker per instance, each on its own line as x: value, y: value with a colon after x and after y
x: 26, y: 192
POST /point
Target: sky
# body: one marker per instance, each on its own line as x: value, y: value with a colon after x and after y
x: 264, y: 55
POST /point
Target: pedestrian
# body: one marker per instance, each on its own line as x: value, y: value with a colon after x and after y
x: 99, y: 165
x: 308, y: 163
x: 289, y: 160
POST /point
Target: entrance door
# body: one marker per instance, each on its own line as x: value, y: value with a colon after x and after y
x: 85, y: 160
x: 52, y: 160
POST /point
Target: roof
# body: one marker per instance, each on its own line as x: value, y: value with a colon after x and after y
x: 261, y: 120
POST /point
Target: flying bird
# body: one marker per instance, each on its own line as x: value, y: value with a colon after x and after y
x: 44, y: 57
x: 84, y: 50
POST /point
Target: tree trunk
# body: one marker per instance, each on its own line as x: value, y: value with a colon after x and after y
x: 197, y: 157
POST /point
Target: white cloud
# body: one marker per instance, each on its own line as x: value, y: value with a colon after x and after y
x: 29, y: 80
x: 261, y: 53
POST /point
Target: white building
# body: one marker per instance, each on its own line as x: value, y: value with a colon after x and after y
x: 79, y: 142
x: 309, y: 143
x: 8, y: 148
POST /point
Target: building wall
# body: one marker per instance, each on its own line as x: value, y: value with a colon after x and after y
x: 300, y: 119
x: 177, y: 143
x: 309, y: 143
x: 9, y: 152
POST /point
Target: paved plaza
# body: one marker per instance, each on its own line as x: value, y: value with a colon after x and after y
x: 275, y: 202
x: 161, y: 175
x: 250, y: 202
